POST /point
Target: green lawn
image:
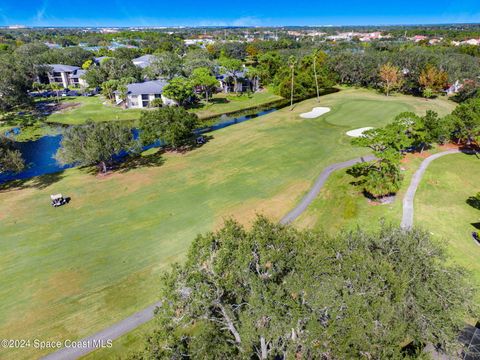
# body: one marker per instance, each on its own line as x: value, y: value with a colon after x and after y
x: 229, y: 103
x: 340, y: 205
x: 92, y: 108
x: 95, y: 108
x: 69, y: 272
x: 441, y: 207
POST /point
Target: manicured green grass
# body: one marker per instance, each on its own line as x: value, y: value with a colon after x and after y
x: 71, y: 271
x: 441, y: 207
x: 91, y: 108
x: 229, y: 103
x: 342, y: 206
x: 96, y: 109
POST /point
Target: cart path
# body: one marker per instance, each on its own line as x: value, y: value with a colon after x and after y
x: 111, y: 333
x: 116, y: 330
x: 407, y: 216
x: 317, y: 186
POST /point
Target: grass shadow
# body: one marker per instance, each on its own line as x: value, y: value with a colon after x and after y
x: 474, y: 201
x: 476, y: 225
x: 202, y: 104
x: 140, y: 161
x: 38, y: 182
x: 219, y: 101
x: 471, y: 149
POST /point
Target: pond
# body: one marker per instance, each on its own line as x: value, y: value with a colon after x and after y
x: 39, y: 154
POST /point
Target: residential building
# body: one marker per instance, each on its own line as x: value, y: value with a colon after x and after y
x: 475, y: 42
x: 454, y: 88
x: 227, y: 82
x: 198, y: 42
x: 143, y: 61
x: 62, y: 74
x: 418, y: 38
x: 139, y: 95
x: 77, y: 79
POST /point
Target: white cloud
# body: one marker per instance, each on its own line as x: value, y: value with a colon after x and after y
x: 247, y: 21
x: 41, y: 12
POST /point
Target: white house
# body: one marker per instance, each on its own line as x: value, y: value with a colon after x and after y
x: 454, y: 88
x: 139, y: 95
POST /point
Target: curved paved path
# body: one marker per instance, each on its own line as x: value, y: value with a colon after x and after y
x: 407, y: 216
x: 111, y: 333
x: 317, y: 186
x: 116, y: 330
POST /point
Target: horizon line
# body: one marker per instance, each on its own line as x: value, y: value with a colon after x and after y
x: 19, y: 26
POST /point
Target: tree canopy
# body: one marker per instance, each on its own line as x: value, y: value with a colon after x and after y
x: 95, y: 143
x: 14, y: 84
x: 10, y: 158
x: 179, y: 89
x: 466, y: 120
x: 274, y: 292
x: 203, y: 78
x: 173, y: 125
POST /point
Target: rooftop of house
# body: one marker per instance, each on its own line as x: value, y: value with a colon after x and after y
x: 143, y: 61
x: 99, y: 59
x: 78, y: 73
x: 63, y: 68
x: 229, y: 74
x: 147, y: 87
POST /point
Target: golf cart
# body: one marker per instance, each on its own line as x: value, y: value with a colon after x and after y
x: 58, y: 200
x: 476, y: 237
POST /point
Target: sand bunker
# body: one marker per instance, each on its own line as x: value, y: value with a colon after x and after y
x: 316, y: 112
x: 358, y: 132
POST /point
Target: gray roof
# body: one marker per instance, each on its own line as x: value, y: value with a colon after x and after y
x: 99, y: 59
x: 143, y: 61
x: 63, y: 68
x: 147, y: 87
x: 229, y: 74
x: 78, y: 73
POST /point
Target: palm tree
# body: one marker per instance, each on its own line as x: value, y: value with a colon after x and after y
x: 123, y: 94
x: 315, y: 55
x: 292, y: 61
x: 56, y: 87
x: 254, y: 75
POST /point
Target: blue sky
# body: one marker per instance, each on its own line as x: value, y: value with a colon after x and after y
x: 235, y: 13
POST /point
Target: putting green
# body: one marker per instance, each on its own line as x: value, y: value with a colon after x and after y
x: 71, y: 271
